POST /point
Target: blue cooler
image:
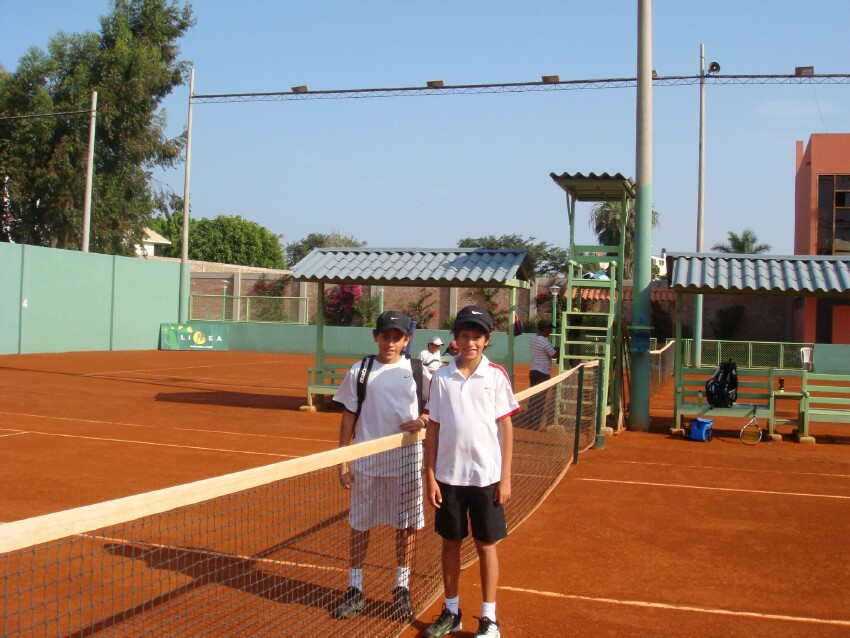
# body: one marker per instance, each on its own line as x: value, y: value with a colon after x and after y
x: 700, y: 429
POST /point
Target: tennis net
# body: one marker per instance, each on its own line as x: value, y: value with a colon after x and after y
x: 264, y: 551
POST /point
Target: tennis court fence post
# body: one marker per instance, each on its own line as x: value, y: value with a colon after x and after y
x: 577, y: 435
x: 601, y: 408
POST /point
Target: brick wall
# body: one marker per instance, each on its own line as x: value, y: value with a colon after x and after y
x: 766, y: 318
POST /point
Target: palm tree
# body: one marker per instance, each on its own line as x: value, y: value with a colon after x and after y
x: 605, y: 220
x: 744, y: 244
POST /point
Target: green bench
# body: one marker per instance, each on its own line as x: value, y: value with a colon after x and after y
x: 826, y: 398
x: 325, y: 379
x: 755, y: 388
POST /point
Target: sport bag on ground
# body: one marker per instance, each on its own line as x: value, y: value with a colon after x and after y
x: 721, y: 390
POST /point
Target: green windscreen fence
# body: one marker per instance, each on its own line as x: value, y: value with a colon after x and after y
x: 62, y: 300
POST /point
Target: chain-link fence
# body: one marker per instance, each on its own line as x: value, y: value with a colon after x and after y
x: 251, y: 308
x: 748, y: 354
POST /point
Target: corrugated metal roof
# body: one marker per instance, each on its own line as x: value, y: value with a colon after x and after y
x: 595, y: 188
x: 473, y: 267
x: 803, y: 275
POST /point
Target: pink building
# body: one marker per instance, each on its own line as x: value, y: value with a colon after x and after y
x: 822, y: 227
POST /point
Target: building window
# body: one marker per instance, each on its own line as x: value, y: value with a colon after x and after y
x: 833, y: 230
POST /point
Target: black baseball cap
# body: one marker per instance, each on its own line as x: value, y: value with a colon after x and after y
x: 475, y: 315
x: 393, y: 319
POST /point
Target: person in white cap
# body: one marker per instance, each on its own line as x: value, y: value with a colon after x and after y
x: 431, y: 362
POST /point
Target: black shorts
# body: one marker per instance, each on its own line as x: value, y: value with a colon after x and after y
x: 476, y: 503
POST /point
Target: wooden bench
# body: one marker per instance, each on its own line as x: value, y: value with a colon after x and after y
x: 826, y: 398
x: 325, y: 379
x: 755, y: 388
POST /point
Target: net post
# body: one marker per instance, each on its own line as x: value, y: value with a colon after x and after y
x: 577, y: 436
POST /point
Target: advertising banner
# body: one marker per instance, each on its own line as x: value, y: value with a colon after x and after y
x: 193, y: 336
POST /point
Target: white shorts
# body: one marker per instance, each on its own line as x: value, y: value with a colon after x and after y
x: 382, y: 500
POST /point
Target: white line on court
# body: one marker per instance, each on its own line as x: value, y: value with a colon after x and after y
x: 273, y: 436
x: 703, y: 610
x: 141, y: 425
x: 733, y: 469
x: 216, y: 365
x: 194, y: 383
x: 174, y: 445
x: 717, y: 489
x: 216, y: 554
x: 14, y: 433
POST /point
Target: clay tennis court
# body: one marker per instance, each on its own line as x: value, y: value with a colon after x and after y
x: 653, y: 535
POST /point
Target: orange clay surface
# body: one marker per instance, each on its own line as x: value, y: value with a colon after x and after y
x: 651, y: 536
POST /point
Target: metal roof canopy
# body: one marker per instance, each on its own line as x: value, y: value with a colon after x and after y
x: 449, y: 267
x: 787, y: 275
x: 595, y: 188
x: 409, y: 267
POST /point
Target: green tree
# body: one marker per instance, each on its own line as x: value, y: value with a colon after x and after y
x: 233, y: 240
x: 546, y: 258
x: 133, y: 65
x: 605, y: 222
x: 744, y: 244
x: 298, y: 250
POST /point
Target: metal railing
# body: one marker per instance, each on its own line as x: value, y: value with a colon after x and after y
x: 662, y: 364
x: 249, y: 308
x: 747, y: 354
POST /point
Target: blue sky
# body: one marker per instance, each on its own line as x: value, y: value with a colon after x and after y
x: 426, y: 171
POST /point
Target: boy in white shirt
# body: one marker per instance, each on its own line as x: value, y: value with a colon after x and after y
x: 386, y: 489
x: 431, y: 362
x: 468, y: 450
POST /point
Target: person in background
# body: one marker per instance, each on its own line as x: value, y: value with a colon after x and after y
x: 431, y: 362
x: 542, y: 352
x: 451, y: 350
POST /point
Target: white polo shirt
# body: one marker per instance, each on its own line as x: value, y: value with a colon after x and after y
x: 467, y: 411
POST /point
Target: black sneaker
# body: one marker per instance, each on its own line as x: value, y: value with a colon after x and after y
x: 352, y: 604
x: 487, y: 628
x: 446, y: 623
x: 401, y: 609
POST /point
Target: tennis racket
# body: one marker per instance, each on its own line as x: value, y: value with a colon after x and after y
x: 751, y: 432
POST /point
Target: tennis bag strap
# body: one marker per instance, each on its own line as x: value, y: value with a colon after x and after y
x: 363, y: 379
x: 416, y: 366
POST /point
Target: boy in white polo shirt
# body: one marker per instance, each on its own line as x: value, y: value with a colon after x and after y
x: 386, y: 489
x: 468, y: 449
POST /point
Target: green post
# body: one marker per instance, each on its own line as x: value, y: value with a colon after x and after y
x: 601, y: 402
x: 224, y: 299
x: 183, y: 314
x: 510, y: 328
x: 577, y: 437
x: 320, y: 333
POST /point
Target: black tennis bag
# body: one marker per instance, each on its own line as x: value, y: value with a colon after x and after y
x: 721, y: 390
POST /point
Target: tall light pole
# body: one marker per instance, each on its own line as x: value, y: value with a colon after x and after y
x: 639, y: 378
x: 713, y: 68
x: 183, y: 306
x: 89, y: 174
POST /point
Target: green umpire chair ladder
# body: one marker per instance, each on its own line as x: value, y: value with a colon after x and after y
x: 596, y: 335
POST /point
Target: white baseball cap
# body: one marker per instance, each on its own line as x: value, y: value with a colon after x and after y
x: 436, y: 341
